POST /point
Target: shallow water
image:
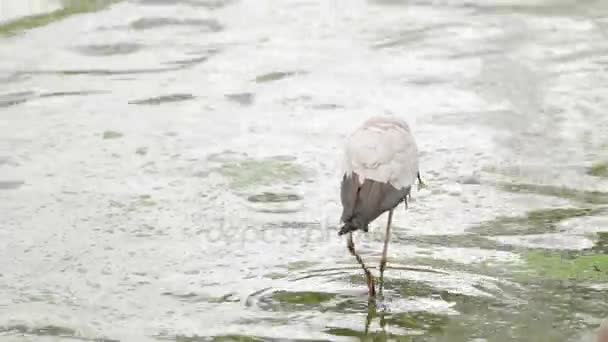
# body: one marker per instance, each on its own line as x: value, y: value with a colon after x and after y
x: 12, y: 10
x: 169, y: 170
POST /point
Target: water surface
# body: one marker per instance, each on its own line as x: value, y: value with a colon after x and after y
x: 169, y: 170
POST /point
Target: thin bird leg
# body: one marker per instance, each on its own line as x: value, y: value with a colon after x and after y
x: 383, y: 323
x: 371, y: 313
x: 387, y: 237
x: 370, y: 280
x: 405, y: 201
x: 420, y: 182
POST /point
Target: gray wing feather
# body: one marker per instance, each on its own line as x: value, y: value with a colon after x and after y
x: 349, y: 189
x: 363, y: 203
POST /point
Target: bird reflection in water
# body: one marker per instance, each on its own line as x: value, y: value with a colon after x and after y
x: 373, y: 311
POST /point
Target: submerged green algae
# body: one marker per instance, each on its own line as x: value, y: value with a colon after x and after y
x: 302, y: 297
x: 534, y: 222
x: 598, y: 170
x: 261, y: 172
x: 560, y: 266
x: 588, y: 197
x: 69, y: 8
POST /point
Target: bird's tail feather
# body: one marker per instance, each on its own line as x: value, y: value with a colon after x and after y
x: 347, y: 228
x: 352, y: 225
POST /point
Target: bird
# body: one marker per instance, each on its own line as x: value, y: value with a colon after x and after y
x: 380, y: 166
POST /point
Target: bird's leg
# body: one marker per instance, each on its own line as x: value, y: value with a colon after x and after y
x: 383, y: 323
x: 420, y: 182
x: 368, y: 275
x: 405, y: 201
x: 371, y: 313
x: 387, y: 237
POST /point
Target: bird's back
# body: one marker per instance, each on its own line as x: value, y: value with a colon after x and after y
x: 380, y: 166
x: 383, y: 149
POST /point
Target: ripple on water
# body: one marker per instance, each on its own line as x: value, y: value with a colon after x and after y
x: 199, y: 56
x: 52, y: 331
x: 72, y: 93
x: 208, y: 4
x: 535, y: 7
x: 101, y: 72
x: 292, y: 300
x: 275, y: 202
x: 174, y: 66
x: 11, y: 184
x: 282, y: 300
x: 158, y: 100
x: 215, y: 338
x: 13, y: 99
x: 276, y: 76
x: 244, y: 99
x: 343, y: 290
x: 12, y: 77
x: 409, y: 36
x: 416, y: 308
x: 327, y: 106
x: 109, y: 49
x: 209, y: 25
x: 189, y: 61
x: 401, y: 327
x: 192, y: 297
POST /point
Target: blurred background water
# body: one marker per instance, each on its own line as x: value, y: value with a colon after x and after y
x: 169, y: 169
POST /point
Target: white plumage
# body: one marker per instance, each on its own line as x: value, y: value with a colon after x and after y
x: 383, y: 149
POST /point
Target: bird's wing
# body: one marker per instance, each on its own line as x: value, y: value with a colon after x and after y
x: 384, y: 153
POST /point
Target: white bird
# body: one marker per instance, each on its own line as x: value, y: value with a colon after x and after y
x: 380, y: 167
